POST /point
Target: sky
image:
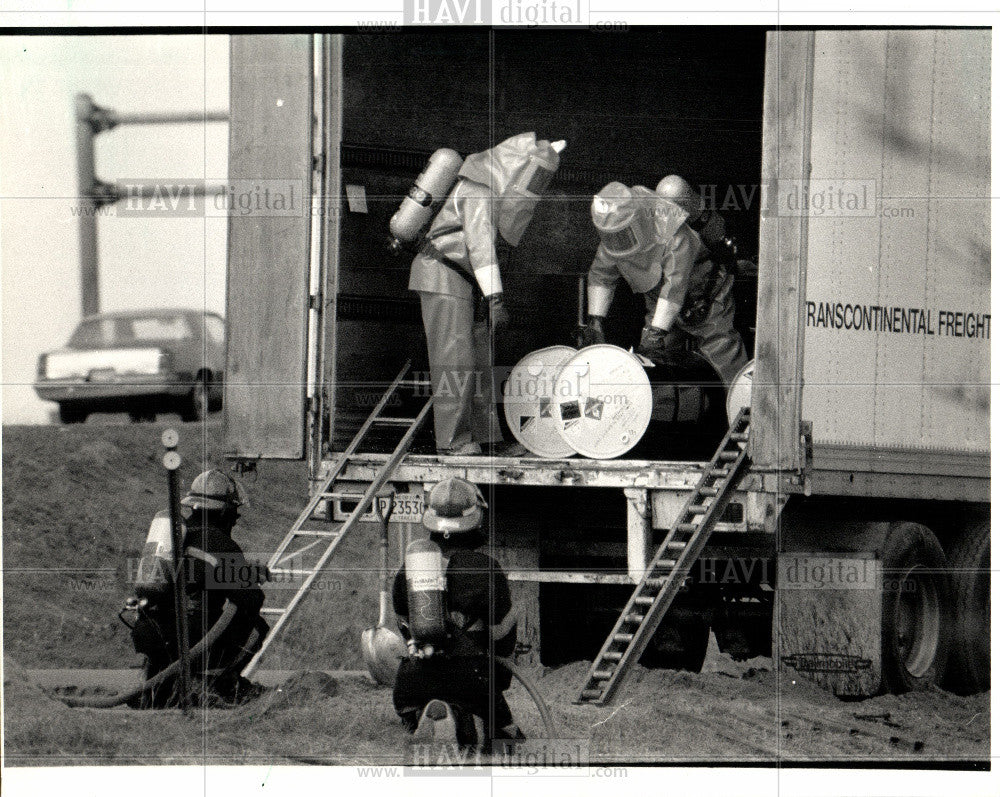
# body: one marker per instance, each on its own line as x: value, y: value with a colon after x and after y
x: 144, y: 262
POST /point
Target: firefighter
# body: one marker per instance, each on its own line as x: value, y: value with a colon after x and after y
x: 688, y: 294
x: 457, y: 276
x: 214, y: 570
x: 450, y: 690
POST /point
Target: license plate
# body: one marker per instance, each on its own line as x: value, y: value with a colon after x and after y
x: 408, y: 508
x: 102, y: 375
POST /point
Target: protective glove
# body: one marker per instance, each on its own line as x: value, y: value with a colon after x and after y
x: 593, y: 333
x: 651, y: 342
x: 498, y: 317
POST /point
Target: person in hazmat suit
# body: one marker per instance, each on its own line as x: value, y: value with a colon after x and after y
x: 454, y: 608
x: 645, y: 240
x: 457, y: 276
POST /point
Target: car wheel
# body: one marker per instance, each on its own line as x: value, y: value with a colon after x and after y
x: 196, y: 404
x: 71, y: 413
x: 916, y: 609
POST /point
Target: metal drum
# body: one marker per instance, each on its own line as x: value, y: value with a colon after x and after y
x: 739, y: 392
x: 604, y: 401
x: 529, y: 402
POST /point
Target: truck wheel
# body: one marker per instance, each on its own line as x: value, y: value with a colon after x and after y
x: 969, y: 562
x: 71, y: 413
x: 195, y: 407
x: 679, y: 645
x: 916, y: 609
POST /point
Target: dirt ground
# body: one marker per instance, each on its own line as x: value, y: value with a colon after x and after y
x: 76, y: 505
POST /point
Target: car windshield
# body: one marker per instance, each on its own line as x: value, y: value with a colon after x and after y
x: 102, y: 333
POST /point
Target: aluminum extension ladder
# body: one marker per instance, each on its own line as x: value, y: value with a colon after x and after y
x: 670, y: 566
x: 302, y: 542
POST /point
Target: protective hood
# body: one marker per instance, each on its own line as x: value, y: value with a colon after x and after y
x: 668, y: 218
x: 624, y: 218
x: 517, y: 172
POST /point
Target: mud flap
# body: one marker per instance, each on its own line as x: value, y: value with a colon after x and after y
x: 828, y: 620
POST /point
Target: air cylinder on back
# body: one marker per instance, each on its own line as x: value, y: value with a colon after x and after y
x: 432, y: 185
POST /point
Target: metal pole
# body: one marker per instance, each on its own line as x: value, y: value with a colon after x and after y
x: 167, y: 118
x: 85, y: 182
x: 172, y: 461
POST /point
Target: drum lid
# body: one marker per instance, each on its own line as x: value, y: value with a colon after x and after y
x: 738, y: 396
x: 605, y: 401
x: 529, y: 402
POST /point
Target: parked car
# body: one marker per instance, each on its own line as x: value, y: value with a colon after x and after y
x: 141, y: 362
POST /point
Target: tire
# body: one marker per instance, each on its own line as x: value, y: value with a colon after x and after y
x: 678, y: 645
x: 72, y: 413
x: 969, y: 562
x: 195, y: 406
x: 916, y: 609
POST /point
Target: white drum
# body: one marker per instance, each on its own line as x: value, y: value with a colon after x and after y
x: 604, y: 401
x: 529, y: 402
x: 738, y: 396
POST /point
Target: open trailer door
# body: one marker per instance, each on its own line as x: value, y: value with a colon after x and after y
x: 267, y: 293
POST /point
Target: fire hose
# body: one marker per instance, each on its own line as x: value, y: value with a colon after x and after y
x: 536, y: 696
x: 228, y: 612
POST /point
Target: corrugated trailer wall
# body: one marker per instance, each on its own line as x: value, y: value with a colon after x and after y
x: 897, y: 325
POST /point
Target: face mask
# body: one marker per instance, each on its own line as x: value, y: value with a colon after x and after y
x: 518, y: 202
x: 623, y: 218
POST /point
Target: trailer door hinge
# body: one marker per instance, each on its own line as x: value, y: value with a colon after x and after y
x: 806, y: 448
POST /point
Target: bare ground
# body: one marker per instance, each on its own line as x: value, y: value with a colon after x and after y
x: 76, y: 505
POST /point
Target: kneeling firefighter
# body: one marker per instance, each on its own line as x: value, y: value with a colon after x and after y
x: 454, y: 609
x: 213, y: 571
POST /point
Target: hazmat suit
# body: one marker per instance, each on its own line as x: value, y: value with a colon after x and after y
x: 457, y: 275
x: 646, y: 242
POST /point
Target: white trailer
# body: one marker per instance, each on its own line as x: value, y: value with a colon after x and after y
x: 859, y: 540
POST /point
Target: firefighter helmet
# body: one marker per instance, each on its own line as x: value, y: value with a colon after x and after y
x: 455, y: 505
x: 213, y: 489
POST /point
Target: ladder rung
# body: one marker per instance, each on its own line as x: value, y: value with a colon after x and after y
x: 395, y: 421
x: 623, y: 637
x: 587, y: 694
x: 697, y: 509
x: 644, y: 600
x: 676, y: 545
x: 728, y: 456
x: 656, y: 581
x: 740, y: 437
x: 690, y: 528
x: 718, y: 473
x: 709, y: 491
x: 271, y: 610
x: 316, y: 533
x: 613, y: 655
x: 635, y: 617
x: 667, y: 563
x: 603, y: 675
